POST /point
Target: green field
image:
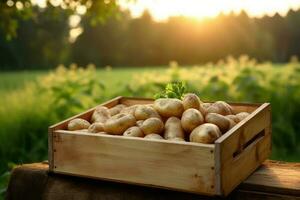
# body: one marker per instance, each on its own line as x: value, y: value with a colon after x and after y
x: 10, y: 81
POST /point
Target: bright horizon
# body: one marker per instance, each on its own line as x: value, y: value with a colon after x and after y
x: 161, y: 10
x: 200, y: 9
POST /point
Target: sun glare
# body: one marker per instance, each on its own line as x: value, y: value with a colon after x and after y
x: 162, y: 9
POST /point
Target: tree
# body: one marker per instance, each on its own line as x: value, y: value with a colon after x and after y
x: 103, y: 44
x: 11, y: 11
x: 42, y: 41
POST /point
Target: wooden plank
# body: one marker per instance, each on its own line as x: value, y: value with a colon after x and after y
x: 50, y: 148
x: 275, y: 177
x: 237, y: 161
x: 180, y: 166
x: 129, y: 101
x: 237, y: 108
x: 218, y: 168
x: 240, y: 168
x: 272, y: 181
x: 254, y: 195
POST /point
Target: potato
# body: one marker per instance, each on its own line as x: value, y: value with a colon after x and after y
x: 233, y: 118
x: 169, y: 107
x: 96, y: 127
x: 220, y: 107
x: 134, y: 131
x: 153, y: 136
x: 116, y: 109
x: 221, y: 121
x: 101, y: 114
x: 206, y: 105
x: 205, y: 133
x: 177, y: 139
x: 173, y: 129
x: 203, y: 108
x: 151, y: 105
x: 191, y: 118
x: 119, y: 123
x: 78, y: 124
x: 152, y: 125
x: 129, y: 110
x: 231, y: 123
x: 191, y: 100
x: 242, y: 115
x: 143, y: 112
x: 140, y: 123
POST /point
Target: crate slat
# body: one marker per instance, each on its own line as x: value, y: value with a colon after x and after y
x: 243, y: 148
x: 139, y: 161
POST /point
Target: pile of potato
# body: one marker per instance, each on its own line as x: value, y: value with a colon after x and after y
x: 167, y: 118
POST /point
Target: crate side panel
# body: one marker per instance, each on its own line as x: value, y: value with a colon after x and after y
x: 168, y: 165
x: 239, y: 169
x: 244, y: 131
x: 238, y: 161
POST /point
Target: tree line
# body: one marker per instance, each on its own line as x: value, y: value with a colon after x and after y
x: 42, y: 42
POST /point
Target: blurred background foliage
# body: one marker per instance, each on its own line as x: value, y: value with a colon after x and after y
x: 100, y: 32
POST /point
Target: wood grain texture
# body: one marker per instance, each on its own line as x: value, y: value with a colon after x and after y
x: 237, y: 108
x: 275, y: 177
x: 156, y: 163
x: 129, y: 101
x: 272, y: 181
x: 255, y: 195
x: 239, y: 169
x: 239, y: 152
x: 50, y: 148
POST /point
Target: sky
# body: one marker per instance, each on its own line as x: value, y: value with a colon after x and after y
x: 200, y: 9
x: 161, y: 10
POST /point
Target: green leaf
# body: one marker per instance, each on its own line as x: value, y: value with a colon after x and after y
x: 173, y: 90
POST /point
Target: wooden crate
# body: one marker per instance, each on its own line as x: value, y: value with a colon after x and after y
x: 210, y: 169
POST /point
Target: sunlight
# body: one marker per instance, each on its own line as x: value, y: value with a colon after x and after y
x: 40, y: 3
x: 162, y: 9
x: 74, y: 33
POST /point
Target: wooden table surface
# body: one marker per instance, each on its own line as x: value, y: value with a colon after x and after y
x: 273, y: 180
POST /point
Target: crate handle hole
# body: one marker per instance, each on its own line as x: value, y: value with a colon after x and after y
x: 254, y: 139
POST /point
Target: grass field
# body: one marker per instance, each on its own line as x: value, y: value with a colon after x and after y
x: 11, y: 81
